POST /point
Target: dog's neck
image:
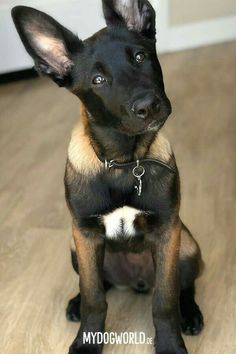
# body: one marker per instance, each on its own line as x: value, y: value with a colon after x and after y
x: 113, y: 145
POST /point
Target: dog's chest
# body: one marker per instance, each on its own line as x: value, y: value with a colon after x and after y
x: 121, y: 222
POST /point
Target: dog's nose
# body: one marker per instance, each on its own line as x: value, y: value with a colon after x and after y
x: 145, y: 106
x: 141, y: 286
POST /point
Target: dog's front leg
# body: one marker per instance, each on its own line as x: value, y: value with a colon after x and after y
x: 166, y: 316
x: 90, y: 253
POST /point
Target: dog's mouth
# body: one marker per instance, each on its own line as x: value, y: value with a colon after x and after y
x: 153, y: 124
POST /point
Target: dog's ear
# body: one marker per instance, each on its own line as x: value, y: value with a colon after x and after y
x: 50, y: 45
x: 136, y: 15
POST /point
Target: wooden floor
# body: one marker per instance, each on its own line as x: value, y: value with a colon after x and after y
x: 36, y: 276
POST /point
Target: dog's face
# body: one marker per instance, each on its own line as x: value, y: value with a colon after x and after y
x: 116, y: 72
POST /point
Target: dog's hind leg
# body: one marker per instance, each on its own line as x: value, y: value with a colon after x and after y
x: 73, y: 307
x: 191, y: 265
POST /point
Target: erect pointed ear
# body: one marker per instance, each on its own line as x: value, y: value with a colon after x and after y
x: 49, y: 43
x: 136, y: 15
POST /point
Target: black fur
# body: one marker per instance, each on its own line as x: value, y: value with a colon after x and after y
x: 191, y: 316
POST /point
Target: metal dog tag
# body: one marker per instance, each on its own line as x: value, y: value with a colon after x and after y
x: 138, y: 172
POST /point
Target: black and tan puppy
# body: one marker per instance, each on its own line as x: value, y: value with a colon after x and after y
x: 121, y: 180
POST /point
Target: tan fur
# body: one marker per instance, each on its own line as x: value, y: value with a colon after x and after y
x: 86, y: 250
x: 171, y: 250
x: 72, y: 245
x: 80, y: 153
x: 160, y: 148
x: 188, y: 247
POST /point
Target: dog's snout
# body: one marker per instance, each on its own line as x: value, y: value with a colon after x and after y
x: 143, y: 107
x: 141, y: 286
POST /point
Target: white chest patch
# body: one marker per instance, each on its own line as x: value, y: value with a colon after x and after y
x: 120, y: 222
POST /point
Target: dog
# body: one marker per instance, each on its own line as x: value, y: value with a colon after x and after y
x: 121, y: 181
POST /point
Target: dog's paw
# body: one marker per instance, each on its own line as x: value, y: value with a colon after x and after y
x: 73, y: 309
x: 192, y: 320
x: 85, y: 349
x: 177, y: 351
x: 170, y: 345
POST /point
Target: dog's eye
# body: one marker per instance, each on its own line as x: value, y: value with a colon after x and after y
x: 98, y: 80
x: 140, y: 57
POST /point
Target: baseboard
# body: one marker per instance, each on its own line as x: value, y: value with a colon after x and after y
x: 18, y: 75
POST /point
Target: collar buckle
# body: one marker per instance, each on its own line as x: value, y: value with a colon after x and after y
x: 138, y: 172
x: 109, y: 164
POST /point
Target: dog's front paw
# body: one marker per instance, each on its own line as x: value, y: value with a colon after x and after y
x: 81, y: 347
x: 172, y: 351
x: 170, y: 345
x: 179, y: 350
x: 73, y: 309
x: 77, y: 348
x: 192, y: 321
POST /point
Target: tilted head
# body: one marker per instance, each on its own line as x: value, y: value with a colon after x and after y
x: 116, y: 72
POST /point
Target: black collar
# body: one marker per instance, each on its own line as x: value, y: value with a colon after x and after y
x: 138, y: 169
x: 119, y: 165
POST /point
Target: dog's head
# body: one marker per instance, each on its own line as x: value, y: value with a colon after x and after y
x: 116, y: 72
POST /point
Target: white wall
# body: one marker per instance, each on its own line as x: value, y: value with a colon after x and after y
x: 83, y: 17
x: 193, y: 30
